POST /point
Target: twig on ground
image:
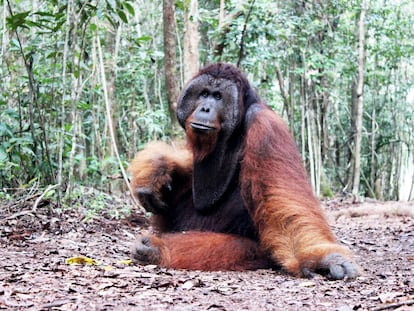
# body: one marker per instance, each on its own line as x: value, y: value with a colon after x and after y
x: 395, y: 305
x: 49, y: 188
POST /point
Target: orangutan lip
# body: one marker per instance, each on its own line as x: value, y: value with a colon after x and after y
x: 201, y: 127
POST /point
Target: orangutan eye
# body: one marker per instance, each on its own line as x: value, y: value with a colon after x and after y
x: 204, y: 94
x: 217, y: 95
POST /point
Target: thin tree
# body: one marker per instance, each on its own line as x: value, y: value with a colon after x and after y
x: 61, y: 140
x: 170, y: 61
x: 358, y: 102
x: 191, y: 40
x: 243, y: 34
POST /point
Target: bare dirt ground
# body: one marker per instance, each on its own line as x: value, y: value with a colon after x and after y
x: 35, y: 273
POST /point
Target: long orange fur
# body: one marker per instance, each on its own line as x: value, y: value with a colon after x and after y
x: 292, y: 229
x: 275, y: 185
x: 209, y: 251
x: 153, y: 165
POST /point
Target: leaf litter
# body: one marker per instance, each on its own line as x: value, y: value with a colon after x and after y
x: 39, y: 248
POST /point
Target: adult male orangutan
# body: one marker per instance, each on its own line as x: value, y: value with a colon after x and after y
x: 237, y: 196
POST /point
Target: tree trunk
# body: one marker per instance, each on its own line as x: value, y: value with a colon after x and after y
x: 358, y: 103
x: 170, y: 61
x: 285, y: 97
x: 373, y: 150
x: 61, y: 140
x: 225, y: 24
x: 112, y: 63
x: 191, y: 40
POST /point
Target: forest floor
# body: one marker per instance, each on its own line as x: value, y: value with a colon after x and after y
x: 35, y: 273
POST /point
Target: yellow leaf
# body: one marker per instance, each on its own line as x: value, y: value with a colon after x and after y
x: 125, y: 262
x: 107, y: 268
x: 307, y: 284
x: 81, y: 260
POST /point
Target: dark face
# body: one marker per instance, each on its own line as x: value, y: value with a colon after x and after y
x: 207, y: 108
x: 208, y: 113
x: 211, y: 110
x: 209, y: 103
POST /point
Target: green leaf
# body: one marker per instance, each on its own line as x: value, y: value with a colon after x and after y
x: 12, y: 113
x: 3, y: 155
x: 142, y: 39
x: 44, y: 14
x: 122, y: 16
x: 129, y: 8
x: 112, y: 4
x: 93, y: 27
x: 5, y: 130
x: 18, y: 20
x: 110, y: 20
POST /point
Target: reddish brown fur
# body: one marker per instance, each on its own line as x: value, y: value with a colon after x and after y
x: 226, y: 252
x: 201, y: 145
x: 274, y: 183
x: 153, y: 165
x: 269, y: 213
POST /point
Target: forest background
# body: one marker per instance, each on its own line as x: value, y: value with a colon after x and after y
x: 85, y: 84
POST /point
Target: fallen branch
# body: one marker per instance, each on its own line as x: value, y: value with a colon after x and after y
x: 49, y: 188
x: 58, y: 303
x: 16, y: 215
x: 395, y: 305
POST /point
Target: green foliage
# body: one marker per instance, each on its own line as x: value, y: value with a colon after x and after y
x: 53, y: 117
x: 69, y: 114
x: 313, y: 45
x: 16, y: 150
x: 93, y: 203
